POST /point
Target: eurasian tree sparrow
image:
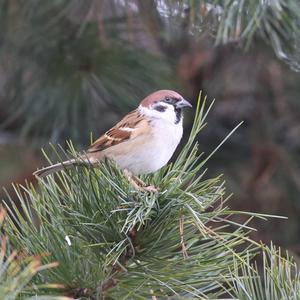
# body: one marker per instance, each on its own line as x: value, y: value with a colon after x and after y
x: 143, y: 141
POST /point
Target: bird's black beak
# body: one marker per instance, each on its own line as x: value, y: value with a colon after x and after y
x: 183, y: 103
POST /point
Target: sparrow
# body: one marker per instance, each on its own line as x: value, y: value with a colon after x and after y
x: 142, y: 142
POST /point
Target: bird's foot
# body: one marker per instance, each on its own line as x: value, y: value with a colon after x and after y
x: 149, y: 188
x: 139, y: 184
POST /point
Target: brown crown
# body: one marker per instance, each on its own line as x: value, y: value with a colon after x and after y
x: 159, y: 95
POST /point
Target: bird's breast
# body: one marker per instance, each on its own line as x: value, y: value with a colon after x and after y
x: 158, y: 149
x: 149, y: 152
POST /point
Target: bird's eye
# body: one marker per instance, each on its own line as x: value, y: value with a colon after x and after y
x: 168, y: 99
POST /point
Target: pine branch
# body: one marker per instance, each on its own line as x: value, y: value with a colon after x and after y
x: 114, y: 242
x: 17, y: 271
x: 279, y: 278
x: 241, y: 22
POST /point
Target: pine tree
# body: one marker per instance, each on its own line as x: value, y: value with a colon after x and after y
x: 114, y: 242
x: 108, y: 240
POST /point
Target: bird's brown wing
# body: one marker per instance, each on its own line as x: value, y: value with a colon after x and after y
x: 121, y: 132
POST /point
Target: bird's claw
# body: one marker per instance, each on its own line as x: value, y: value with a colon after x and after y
x: 149, y: 188
x: 139, y: 184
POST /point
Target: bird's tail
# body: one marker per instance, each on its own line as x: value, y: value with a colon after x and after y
x: 57, y: 167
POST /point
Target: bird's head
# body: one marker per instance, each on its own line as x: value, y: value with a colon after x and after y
x: 164, y: 104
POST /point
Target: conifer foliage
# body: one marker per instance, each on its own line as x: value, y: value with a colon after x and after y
x: 17, y: 271
x: 113, y: 242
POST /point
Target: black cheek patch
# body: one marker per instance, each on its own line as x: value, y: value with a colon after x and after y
x: 178, y: 113
x: 160, y: 108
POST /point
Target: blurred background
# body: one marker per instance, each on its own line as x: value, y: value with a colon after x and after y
x: 72, y: 68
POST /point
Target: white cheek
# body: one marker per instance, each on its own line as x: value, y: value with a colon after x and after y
x: 168, y: 115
